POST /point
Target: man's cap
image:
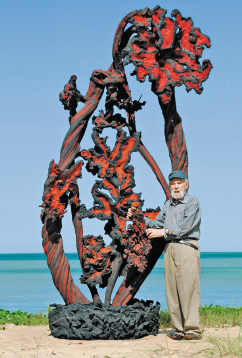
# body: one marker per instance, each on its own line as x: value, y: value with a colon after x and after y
x: 177, y: 174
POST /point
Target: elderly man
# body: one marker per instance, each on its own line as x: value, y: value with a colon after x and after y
x: 179, y: 224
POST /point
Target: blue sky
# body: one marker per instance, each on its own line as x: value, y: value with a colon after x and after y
x: 43, y: 43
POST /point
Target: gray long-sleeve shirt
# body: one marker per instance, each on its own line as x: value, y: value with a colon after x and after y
x: 182, y: 219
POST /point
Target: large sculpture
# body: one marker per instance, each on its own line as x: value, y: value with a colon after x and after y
x: 167, y: 51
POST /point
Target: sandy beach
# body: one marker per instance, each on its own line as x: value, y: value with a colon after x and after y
x: 25, y: 341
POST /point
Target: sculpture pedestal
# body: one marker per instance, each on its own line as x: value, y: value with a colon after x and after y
x: 98, y: 321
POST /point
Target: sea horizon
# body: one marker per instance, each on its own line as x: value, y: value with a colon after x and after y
x: 71, y: 254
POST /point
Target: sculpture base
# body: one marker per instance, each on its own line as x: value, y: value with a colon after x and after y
x: 98, y: 321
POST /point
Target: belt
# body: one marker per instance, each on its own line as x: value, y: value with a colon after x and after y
x: 184, y: 243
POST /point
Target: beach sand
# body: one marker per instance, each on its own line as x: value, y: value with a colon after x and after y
x: 25, y: 341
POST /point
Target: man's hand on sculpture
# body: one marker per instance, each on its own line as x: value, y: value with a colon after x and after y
x: 152, y: 233
x: 130, y: 213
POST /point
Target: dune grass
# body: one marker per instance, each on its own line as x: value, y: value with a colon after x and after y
x: 224, y: 347
x: 20, y: 318
x: 219, y: 316
x: 211, y: 316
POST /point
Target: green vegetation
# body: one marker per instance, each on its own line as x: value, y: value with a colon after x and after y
x: 23, y: 318
x: 211, y: 316
x: 165, y: 319
x: 218, y: 316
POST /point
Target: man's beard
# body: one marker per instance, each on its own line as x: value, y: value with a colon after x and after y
x: 179, y: 195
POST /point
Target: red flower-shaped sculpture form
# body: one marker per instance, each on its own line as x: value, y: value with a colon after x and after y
x: 56, y: 189
x: 167, y: 51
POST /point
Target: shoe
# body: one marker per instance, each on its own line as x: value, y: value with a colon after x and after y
x: 192, y: 337
x: 175, y: 336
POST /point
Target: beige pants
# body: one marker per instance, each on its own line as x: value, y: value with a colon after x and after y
x: 182, y: 280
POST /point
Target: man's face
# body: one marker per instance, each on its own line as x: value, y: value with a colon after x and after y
x: 178, y: 188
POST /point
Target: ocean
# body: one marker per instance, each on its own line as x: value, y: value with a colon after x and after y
x: 26, y: 282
